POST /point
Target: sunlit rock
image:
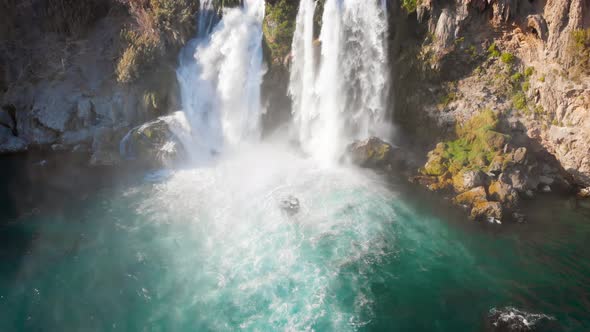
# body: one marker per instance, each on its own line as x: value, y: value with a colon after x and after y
x: 370, y: 153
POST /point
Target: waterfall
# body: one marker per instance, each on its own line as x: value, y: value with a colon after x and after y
x: 341, y: 98
x: 220, y: 74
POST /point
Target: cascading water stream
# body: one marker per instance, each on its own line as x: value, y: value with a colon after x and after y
x: 341, y: 97
x: 220, y: 74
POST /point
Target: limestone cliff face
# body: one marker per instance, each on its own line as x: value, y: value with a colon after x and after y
x: 524, y: 59
x: 60, y: 89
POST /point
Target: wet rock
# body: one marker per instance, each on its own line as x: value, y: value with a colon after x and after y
x: 290, y: 205
x: 82, y: 136
x: 8, y: 119
x: 154, y: 143
x: 546, y: 180
x: 52, y: 110
x: 486, y: 210
x: 503, y: 193
x: 105, y: 146
x: 519, y: 217
x: 370, y: 153
x: 10, y: 143
x: 430, y: 182
x: 517, y: 178
x: 472, y: 197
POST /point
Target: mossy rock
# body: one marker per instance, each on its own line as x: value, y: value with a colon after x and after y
x: 435, y: 166
x: 486, y: 210
x: 472, y: 197
x: 372, y: 152
x: 504, y: 193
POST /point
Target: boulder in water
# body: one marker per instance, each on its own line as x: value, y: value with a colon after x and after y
x: 487, y: 211
x: 504, y: 193
x: 154, y: 143
x: 472, y: 197
x: 290, y: 205
x: 370, y: 153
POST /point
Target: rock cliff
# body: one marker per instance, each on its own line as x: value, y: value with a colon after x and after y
x: 527, y: 61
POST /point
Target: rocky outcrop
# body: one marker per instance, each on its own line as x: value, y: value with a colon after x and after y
x: 521, y: 61
x: 60, y: 85
x: 154, y: 143
x: 370, y: 153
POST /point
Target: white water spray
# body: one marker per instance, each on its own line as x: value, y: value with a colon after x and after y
x: 344, y: 97
x: 220, y: 75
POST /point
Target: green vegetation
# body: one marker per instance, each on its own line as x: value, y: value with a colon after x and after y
x: 580, y: 52
x: 159, y: 25
x: 279, y: 26
x: 493, y: 51
x: 410, y: 6
x: 477, y: 143
x: 519, y: 101
x: 529, y: 71
x: 448, y: 98
x: 507, y: 58
x: 516, y: 78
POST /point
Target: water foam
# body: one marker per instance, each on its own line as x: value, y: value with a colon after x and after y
x: 251, y: 264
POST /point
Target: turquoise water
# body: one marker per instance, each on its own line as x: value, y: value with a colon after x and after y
x: 209, y: 249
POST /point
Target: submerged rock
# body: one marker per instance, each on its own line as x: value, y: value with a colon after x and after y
x: 370, y: 153
x: 290, y: 205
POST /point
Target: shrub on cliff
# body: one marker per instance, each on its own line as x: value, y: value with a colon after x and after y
x: 410, y: 5
x: 580, y: 51
x: 158, y: 25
